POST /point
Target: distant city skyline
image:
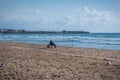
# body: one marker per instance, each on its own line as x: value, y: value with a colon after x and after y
x: 58, y: 15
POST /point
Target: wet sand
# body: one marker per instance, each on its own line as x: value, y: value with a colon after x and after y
x: 25, y: 61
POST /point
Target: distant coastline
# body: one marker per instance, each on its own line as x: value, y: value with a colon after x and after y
x: 13, y: 31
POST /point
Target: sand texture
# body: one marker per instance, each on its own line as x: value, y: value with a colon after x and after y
x: 24, y: 61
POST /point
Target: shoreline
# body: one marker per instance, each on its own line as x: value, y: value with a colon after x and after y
x: 26, y: 61
x: 60, y: 45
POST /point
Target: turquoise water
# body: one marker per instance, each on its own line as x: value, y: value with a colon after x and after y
x: 109, y: 41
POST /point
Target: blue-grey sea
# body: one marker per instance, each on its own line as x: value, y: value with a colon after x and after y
x: 108, y: 41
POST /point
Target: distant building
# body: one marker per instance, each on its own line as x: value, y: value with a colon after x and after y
x: 64, y: 31
x: 13, y: 31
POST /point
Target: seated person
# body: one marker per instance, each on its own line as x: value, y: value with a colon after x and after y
x: 51, y: 44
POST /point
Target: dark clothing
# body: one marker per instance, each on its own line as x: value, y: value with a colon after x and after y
x: 51, y: 44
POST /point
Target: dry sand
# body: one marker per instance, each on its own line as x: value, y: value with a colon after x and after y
x: 23, y: 61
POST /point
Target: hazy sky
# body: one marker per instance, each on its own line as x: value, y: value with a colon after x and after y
x: 88, y: 15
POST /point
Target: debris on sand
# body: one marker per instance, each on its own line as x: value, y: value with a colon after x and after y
x: 1, y: 65
x: 108, y: 63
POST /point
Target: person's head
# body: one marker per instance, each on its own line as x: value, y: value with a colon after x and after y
x: 50, y: 40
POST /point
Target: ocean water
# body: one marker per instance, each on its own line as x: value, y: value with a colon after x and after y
x: 109, y: 41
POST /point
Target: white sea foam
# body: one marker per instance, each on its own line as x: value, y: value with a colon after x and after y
x: 94, y: 40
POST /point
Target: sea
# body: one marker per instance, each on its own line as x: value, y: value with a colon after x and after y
x: 107, y: 41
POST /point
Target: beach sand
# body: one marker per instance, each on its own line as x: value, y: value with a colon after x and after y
x: 25, y: 61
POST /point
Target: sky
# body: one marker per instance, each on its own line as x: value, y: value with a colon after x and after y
x: 57, y: 15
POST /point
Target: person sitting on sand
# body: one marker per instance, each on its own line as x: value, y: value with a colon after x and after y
x: 51, y: 44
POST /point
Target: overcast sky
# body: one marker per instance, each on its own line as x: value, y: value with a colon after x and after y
x: 57, y: 15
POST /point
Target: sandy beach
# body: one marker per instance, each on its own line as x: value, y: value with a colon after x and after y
x: 25, y: 61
